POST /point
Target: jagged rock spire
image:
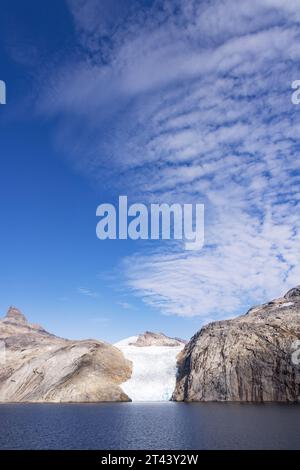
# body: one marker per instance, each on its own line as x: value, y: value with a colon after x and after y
x: 293, y: 293
x: 15, y: 315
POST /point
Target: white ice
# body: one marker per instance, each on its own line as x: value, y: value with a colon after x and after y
x: 154, y: 371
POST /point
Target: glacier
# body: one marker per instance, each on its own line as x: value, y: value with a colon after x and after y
x: 154, y: 370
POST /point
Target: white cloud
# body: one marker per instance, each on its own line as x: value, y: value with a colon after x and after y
x: 196, y: 106
x: 126, y: 305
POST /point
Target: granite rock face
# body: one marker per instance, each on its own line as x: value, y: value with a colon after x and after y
x: 36, y: 366
x: 249, y: 358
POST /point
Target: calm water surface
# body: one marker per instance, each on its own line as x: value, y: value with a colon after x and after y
x: 150, y: 426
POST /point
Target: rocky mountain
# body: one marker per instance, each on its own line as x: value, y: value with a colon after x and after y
x: 249, y: 358
x: 36, y: 366
x: 156, y: 339
x: 153, y: 357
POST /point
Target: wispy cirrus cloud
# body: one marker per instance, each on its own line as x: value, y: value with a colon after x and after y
x: 190, y: 101
x: 126, y: 305
x: 87, y: 292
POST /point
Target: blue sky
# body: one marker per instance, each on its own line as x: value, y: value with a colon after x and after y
x: 165, y: 101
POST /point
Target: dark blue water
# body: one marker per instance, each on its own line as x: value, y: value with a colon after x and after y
x: 150, y: 426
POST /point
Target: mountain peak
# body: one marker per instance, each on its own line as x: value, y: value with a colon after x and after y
x: 293, y: 293
x: 15, y: 315
x: 150, y: 338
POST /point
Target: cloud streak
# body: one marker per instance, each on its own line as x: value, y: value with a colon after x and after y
x: 87, y: 292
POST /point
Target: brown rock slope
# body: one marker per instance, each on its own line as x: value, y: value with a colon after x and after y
x: 248, y: 358
x: 36, y: 366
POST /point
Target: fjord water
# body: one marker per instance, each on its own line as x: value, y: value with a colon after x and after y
x: 150, y: 426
